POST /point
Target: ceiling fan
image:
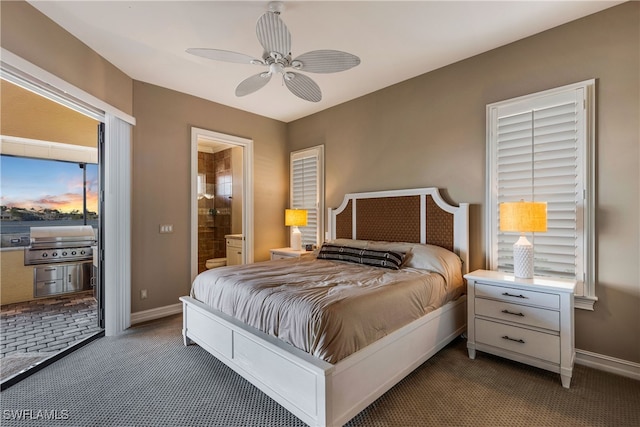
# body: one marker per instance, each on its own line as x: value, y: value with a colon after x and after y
x: 275, y: 39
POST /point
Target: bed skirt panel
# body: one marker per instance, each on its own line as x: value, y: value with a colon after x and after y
x: 317, y: 392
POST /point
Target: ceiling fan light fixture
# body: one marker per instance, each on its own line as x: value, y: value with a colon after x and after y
x: 276, y: 67
x: 274, y: 36
x: 276, y: 7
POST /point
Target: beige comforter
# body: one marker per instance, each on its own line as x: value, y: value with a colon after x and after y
x: 329, y: 309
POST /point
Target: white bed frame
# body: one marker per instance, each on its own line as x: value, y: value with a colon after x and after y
x: 317, y: 392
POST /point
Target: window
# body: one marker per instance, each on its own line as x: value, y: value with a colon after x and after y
x: 540, y: 149
x: 42, y: 192
x: 307, y: 191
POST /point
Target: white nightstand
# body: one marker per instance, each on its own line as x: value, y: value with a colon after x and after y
x: 282, y: 253
x: 526, y: 320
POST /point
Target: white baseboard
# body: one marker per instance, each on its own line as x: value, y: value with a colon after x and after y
x: 608, y: 364
x: 155, y: 313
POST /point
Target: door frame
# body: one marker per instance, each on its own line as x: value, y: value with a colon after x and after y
x: 199, y: 134
x: 118, y: 310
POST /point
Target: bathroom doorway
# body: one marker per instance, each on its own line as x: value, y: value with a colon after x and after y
x: 221, y: 200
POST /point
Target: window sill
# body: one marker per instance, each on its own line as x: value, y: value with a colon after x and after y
x: 584, y: 302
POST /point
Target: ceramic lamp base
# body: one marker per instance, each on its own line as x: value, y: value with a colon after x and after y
x: 296, y: 239
x: 523, y: 258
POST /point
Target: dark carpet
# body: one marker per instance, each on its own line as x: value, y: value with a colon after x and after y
x: 146, y: 377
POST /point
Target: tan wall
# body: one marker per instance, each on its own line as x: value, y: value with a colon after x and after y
x: 29, y: 34
x: 161, y: 186
x: 430, y: 131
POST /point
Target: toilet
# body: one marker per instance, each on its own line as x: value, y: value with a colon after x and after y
x: 235, y: 244
x: 215, y: 263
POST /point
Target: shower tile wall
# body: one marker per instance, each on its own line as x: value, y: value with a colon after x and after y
x: 214, y: 215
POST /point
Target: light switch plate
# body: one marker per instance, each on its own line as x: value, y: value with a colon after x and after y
x: 166, y: 228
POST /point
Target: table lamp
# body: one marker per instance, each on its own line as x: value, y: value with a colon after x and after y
x: 295, y: 218
x: 523, y: 217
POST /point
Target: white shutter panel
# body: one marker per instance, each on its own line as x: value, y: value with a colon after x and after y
x: 538, y: 159
x: 305, y: 194
x: 306, y: 190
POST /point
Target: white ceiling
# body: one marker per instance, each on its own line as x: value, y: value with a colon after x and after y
x: 396, y: 40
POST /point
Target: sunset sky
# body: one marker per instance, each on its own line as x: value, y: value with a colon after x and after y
x: 46, y: 184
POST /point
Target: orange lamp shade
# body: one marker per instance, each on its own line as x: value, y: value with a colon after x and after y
x: 523, y: 217
x: 295, y: 217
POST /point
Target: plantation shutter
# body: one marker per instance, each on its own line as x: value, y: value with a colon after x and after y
x: 306, y: 180
x: 537, y: 153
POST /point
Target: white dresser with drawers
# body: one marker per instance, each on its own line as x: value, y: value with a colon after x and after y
x: 526, y: 320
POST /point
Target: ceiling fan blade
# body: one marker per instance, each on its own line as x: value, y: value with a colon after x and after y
x: 325, y: 61
x: 303, y: 87
x: 253, y: 83
x: 273, y: 34
x: 223, y: 55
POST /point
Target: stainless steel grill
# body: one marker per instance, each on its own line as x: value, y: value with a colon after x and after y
x: 68, y: 253
x: 60, y: 244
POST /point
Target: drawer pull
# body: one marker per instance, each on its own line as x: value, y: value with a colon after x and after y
x: 506, y: 337
x: 49, y: 283
x: 511, y: 312
x: 507, y: 294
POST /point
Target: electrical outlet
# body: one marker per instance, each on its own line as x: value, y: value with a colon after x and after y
x: 166, y: 228
x: 143, y: 294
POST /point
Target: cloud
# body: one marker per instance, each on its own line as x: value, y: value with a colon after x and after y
x: 66, y: 202
x: 60, y: 190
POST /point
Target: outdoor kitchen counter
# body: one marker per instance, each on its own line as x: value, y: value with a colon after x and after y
x: 13, y: 248
x: 15, y: 277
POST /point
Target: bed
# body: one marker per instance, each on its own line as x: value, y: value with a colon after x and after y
x: 319, y: 384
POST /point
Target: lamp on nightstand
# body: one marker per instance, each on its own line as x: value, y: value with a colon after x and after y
x: 523, y: 217
x: 295, y: 218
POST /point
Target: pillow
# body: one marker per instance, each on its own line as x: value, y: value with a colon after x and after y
x: 362, y: 244
x: 385, y: 259
x: 438, y: 259
x: 422, y: 256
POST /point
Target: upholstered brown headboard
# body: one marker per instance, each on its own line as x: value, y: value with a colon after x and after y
x: 415, y: 215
